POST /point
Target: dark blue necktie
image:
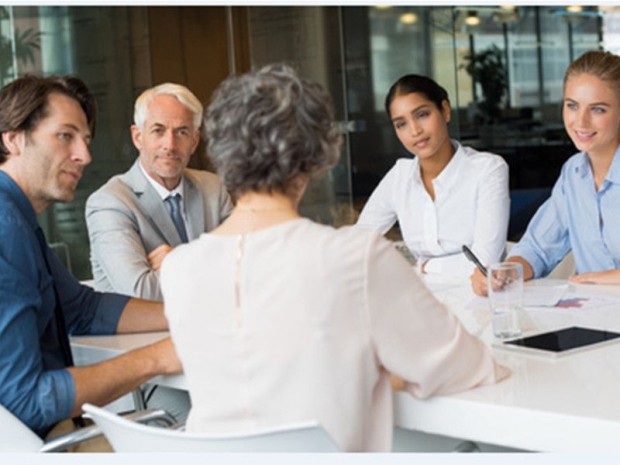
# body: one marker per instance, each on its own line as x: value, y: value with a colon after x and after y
x: 174, y: 205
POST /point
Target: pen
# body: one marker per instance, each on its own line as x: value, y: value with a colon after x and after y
x: 472, y: 258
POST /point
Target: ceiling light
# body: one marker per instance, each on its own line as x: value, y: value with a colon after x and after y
x: 472, y: 18
x: 574, y: 9
x: 408, y: 18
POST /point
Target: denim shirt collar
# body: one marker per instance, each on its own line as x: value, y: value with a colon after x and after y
x: 14, y: 192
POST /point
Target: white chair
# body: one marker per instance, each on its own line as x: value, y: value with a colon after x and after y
x: 88, y: 282
x: 15, y: 436
x: 128, y: 436
x: 563, y: 270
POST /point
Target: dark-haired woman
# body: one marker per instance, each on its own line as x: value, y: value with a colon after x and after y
x: 448, y: 195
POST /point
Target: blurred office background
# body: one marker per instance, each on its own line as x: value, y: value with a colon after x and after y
x: 502, y: 66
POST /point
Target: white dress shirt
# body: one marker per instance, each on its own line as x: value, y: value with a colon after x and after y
x: 471, y: 207
x: 301, y: 321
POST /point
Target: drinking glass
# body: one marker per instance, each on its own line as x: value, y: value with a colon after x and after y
x: 505, y: 285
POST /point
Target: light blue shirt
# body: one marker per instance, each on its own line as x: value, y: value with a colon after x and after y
x: 576, y: 217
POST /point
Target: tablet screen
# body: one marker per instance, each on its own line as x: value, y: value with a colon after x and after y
x: 565, y: 339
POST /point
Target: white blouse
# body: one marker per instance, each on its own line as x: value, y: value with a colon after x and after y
x: 300, y: 321
x: 471, y: 207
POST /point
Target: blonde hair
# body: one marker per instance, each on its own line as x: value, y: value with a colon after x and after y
x: 603, y: 65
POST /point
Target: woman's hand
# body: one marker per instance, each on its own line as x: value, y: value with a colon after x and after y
x: 479, y: 283
x: 597, y: 277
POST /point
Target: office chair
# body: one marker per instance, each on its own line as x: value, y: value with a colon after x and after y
x: 15, y: 436
x: 62, y: 250
x: 563, y: 270
x: 128, y: 436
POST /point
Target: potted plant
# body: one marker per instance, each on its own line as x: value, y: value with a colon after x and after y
x: 24, y: 48
x: 487, y: 69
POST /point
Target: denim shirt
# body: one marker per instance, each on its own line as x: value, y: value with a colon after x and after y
x: 34, y: 383
x: 576, y: 217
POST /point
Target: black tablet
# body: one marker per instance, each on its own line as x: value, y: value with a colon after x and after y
x: 563, y: 341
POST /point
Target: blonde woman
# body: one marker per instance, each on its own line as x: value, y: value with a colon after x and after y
x: 582, y: 214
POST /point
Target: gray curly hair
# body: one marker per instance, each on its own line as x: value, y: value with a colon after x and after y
x: 267, y: 127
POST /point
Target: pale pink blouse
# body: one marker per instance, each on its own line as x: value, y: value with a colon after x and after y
x: 302, y: 321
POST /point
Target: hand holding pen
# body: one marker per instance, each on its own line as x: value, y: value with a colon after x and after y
x: 472, y: 258
x: 499, y: 279
x: 478, y: 280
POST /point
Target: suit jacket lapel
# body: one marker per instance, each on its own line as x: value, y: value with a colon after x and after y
x: 152, y: 205
x: 194, y: 206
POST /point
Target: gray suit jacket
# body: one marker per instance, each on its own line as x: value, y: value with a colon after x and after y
x: 127, y: 219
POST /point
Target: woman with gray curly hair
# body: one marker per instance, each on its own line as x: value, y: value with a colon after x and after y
x: 278, y: 319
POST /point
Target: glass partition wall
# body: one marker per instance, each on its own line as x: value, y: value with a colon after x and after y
x: 98, y: 45
x: 356, y: 52
x: 310, y: 39
x: 503, y: 68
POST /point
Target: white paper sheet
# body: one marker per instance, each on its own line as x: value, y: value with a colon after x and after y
x: 543, y: 296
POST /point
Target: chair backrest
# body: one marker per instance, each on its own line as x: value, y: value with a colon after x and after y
x: 62, y: 250
x: 563, y: 270
x: 15, y: 436
x: 88, y: 282
x: 127, y: 436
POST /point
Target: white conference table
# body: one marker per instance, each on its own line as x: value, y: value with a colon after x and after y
x: 568, y: 404
x: 93, y: 349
